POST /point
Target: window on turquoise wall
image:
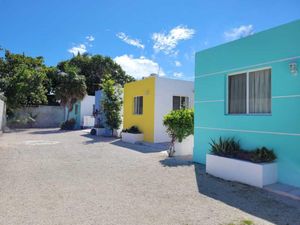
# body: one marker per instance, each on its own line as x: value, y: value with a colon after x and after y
x: 250, y: 92
x: 76, y: 109
x: 138, y: 105
x: 180, y: 102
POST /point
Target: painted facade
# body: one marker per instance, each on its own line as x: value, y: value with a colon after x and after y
x: 82, y: 108
x: 275, y: 49
x: 157, y: 93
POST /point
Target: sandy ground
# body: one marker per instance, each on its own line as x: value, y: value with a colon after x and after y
x: 70, y: 178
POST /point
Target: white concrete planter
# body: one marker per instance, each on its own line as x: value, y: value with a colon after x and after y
x: 185, y: 147
x: 132, y: 138
x: 255, y: 174
x: 100, y: 131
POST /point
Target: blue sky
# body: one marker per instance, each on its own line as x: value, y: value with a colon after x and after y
x: 143, y: 36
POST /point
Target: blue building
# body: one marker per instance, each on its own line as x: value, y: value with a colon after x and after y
x: 250, y: 89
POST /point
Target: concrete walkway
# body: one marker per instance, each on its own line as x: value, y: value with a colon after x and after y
x: 285, y: 190
x: 49, y: 177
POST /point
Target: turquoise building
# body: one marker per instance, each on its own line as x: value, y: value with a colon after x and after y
x: 83, y: 110
x: 250, y: 89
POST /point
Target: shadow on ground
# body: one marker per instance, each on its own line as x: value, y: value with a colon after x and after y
x: 257, y: 202
x: 92, y: 139
x: 137, y: 147
x: 177, y: 161
x: 14, y: 130
x: 49, y: 131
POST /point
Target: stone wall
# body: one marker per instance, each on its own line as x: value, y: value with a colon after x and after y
x: 45, y: 116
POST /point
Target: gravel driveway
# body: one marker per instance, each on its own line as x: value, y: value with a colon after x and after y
x: 70, y: 178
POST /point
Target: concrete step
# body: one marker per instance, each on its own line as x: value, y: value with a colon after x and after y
x: 285, y: 190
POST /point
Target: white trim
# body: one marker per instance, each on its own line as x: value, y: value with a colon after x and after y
x: 227, y: 95
x: 250, y: 70
x: 273, y: 97
x: 249, y: 131
x: 207, y: 101
x: 287, y: 96
x: 247, y: 93
x: 245, y: 67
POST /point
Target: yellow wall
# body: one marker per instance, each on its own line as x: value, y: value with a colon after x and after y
x: 144, y: 122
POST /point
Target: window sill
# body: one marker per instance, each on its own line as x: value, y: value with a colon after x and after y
x: 249, y: 114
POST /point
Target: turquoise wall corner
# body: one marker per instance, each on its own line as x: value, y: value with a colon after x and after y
x: 276, y: 49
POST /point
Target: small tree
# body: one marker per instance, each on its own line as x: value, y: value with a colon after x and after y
x: 180, y: 124
x: 70, y: 89
x: 112, y: 103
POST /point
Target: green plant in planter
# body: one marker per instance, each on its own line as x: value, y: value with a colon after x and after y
x: 179, y: 124
x: 230, y: 148
x: 225, y: 147
x: 132, y: 130
x: 261, y: 155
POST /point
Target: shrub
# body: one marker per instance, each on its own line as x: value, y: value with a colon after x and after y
x: 112, y: 104
x: 180, y: 124
x: 230, y: 148
x: 22, y: 120
x: 132, y: 130
x: 227, y: 147
x: 262, y: 155
x: 68, y: 125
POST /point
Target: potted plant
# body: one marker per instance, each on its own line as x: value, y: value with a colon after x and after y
x: 227, y: 160
x: 180, y: 127
x: 132, y: 135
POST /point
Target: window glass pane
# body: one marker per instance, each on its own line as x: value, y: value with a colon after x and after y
x: 260, y: 91
x: 187, y: 102
x: 182, y: 102
x: 237, y: 94
x: 135, y: 105
x: 76, y: 109
x: 140, y: 105
x: 176, y: 102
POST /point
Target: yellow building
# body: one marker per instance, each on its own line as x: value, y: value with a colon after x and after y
x: 146, y: 102
x: 140, y: 114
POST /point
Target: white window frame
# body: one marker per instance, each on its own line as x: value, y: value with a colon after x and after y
x: 247, y: 72
x: 180, y: 106
x: 134, y: 112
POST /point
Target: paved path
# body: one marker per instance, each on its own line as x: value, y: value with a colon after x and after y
x: 70, y: 178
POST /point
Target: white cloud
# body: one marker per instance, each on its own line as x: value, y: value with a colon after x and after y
x: 138, y: 67
x: 90, y: 38
x: 177, y: 63
x: 239, y: 32
x: 167, y: 42
x: 81, y: 48
x: 134, y: 42
x: 178, y: 74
